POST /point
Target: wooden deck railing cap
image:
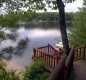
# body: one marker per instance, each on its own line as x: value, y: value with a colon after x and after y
x: 52, y: 47
x: 55, y: 74
x: 80, y: 46
x: 70, y: 56
x: 45, y: 53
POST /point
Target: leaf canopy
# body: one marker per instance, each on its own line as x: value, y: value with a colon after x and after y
x: 31, y: 5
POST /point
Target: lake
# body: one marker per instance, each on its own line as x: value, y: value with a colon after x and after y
x: 38, y: 37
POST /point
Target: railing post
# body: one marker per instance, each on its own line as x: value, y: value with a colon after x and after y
x: 48, y: 48
x: 34, y: 53
x: 58, y: 72
x: 84, y: 53
x: 69, y: 64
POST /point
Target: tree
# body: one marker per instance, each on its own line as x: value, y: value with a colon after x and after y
x: 78, y: 33
x: 61, y: 7
x: 34, y: 5
x: 15, y: 6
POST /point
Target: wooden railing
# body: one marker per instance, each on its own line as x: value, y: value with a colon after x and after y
x: 58, y: 72
x: 49, y: 49
x: 48, y: 54
x: 63, y: 68
x: 69, y: 64
x: 49, y: 59
x: 79, y: 53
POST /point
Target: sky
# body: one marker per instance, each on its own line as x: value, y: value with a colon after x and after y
x: 73, y: 7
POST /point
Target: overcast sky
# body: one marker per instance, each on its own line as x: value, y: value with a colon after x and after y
x: 73, y: 7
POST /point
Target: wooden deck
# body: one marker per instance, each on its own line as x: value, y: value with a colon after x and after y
x: 64, y: 67
x: 79, y: 70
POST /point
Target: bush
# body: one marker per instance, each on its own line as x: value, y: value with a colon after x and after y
x: 36, y: 71
x: 44, y: 76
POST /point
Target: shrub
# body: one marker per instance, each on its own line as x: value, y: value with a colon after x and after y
x: 36, y: 71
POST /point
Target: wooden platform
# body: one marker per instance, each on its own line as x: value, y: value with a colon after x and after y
x: 73, y: 64
x: 79, y: 70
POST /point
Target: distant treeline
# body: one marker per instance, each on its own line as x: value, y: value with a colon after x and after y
x: 49, y: 16
x: 11, y: 19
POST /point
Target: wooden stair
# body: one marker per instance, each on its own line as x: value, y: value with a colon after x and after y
x: 48, y: 54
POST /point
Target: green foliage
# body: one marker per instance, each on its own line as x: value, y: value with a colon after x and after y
x: 43, y: 76
x: 78, y: 33
x: 7, y: 75
x: 69, y: 1
x: 36, y: 71
x: 7, y: 52
x: 2, y: 35
x: 15, y: 6
x: 69, y: 16
x: 47, y: 16
x: 29, y: 16
x: 22, y: 44
x: 10, y: 19
x: 52, y: 16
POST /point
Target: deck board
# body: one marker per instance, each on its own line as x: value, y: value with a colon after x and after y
x: 79, y: 70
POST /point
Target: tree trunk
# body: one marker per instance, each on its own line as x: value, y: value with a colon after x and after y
x: 63, y: 26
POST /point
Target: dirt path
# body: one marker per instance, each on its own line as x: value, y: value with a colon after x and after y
x: 12, y: 65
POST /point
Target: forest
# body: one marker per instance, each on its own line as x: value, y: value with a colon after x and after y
x: 12, y: 19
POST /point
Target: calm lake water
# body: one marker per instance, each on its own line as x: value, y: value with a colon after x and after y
x: 37, y: 37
